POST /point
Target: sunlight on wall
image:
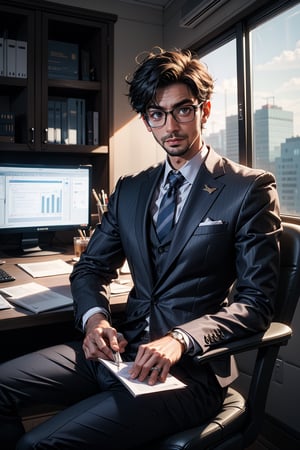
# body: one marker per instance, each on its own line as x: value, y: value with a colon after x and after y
x: 134, y: 149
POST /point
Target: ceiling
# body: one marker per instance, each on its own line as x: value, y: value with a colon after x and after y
x: 158, y: 4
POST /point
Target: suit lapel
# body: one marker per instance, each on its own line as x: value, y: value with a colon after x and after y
x: 145, y: 195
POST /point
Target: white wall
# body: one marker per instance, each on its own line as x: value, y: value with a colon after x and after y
x: 133, y: 147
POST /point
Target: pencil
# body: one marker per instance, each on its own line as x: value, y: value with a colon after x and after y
x: 96, y: 196
x: 80, y: 233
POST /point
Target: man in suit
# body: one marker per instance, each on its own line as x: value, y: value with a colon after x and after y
x: 187, y: 238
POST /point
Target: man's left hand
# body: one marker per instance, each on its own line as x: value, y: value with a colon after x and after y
x: 155, y: 358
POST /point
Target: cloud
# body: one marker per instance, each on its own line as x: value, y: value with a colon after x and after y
x: 289, y: 93
x: 290, y: 85
x: 286, y: 95
x: 228, y: 85
x: 287, y: 60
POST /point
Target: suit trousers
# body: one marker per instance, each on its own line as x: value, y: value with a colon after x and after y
x: 95, y: 410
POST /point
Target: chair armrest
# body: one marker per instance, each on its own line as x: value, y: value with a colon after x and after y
x: 277, y: 334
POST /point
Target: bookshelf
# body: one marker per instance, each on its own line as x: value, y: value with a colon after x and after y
x: 48, y: 30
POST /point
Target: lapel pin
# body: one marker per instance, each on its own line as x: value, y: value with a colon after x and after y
x: 209, y: 189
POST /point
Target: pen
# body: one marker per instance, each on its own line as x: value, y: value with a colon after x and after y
x: 103, y: 196
x: 96, y: 196
x: 117, y: 358
x: 101, y: 208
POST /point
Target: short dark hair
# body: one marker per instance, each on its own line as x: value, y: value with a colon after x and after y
x: 162, y: 68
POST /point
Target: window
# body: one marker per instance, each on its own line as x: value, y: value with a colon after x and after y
x: 271, y: 133
x: 222, y: 128
x: 275, y: 52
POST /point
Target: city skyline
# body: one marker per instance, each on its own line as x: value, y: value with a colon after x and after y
x: 275, y: 150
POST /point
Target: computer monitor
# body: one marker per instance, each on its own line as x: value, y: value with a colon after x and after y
x: 36, y: 198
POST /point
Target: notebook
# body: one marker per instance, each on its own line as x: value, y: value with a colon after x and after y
x: 47, y: 268
x: 35, y: 297
x: 137, y: 387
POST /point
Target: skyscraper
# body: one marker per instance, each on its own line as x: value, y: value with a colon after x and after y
x: 232, y: 137
x: 272, y: 125
x: 287, y: 170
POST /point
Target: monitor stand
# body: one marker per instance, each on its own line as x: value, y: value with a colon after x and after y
x: 30, y: 246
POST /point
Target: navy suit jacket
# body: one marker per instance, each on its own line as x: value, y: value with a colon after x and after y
x: 228, y: 232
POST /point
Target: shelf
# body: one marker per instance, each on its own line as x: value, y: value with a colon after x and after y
x: 14, y: 147
x: 12, y: 82
x: 103, y: 149
x: 79, y: 85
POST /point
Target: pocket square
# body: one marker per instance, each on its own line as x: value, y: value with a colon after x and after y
x: 209, y: 221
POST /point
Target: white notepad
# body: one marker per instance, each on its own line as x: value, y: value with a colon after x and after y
x: 35, y: 297
x: 140, y: 387
x: 4, y: 304
x: 47, y: 268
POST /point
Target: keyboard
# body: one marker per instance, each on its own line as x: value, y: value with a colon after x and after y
x: 4, y: 276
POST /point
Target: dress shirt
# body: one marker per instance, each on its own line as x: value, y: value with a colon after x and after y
x: 189, y: 171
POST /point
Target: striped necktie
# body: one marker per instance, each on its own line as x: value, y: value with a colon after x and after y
x: 167, y: 209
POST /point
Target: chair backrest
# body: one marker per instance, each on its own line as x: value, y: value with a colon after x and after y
x: 289, y: 282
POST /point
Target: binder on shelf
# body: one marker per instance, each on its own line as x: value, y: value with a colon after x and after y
x: 1, y: 57
x: 62, y: 60
x: 92, y: 125
x: 64, y: 122
x: 89, y: 127
x: 10, y: 57
x: 83, y: 121
x: 21, y: 59
x: 96, y: 128
x: 81, y: 139
x: 57, y: 121
x: 85, y: 64
x: 7, y: 127
x: 72, y: 120
x: 78, y: 117
x: 51, y: 121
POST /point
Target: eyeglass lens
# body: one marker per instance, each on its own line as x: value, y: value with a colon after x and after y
x: 158, y: 117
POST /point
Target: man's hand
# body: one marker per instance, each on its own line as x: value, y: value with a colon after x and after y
x: 154, y: 359
x: 101, y: 339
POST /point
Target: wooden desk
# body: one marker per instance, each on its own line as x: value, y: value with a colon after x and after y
x: 19, y: 326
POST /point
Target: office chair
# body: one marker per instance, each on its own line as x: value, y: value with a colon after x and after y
x: 238, y: 423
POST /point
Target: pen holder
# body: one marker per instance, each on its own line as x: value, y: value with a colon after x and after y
x: 101, y: 209
x: 80, y: 245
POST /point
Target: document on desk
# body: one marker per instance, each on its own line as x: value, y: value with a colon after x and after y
x: 120, y: 288
x: 4, y: 303
x: 140, y: 387
x: 47, y: 268
x: 35, y: 297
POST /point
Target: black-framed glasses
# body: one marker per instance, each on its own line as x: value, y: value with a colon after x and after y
x: 156, y: 117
